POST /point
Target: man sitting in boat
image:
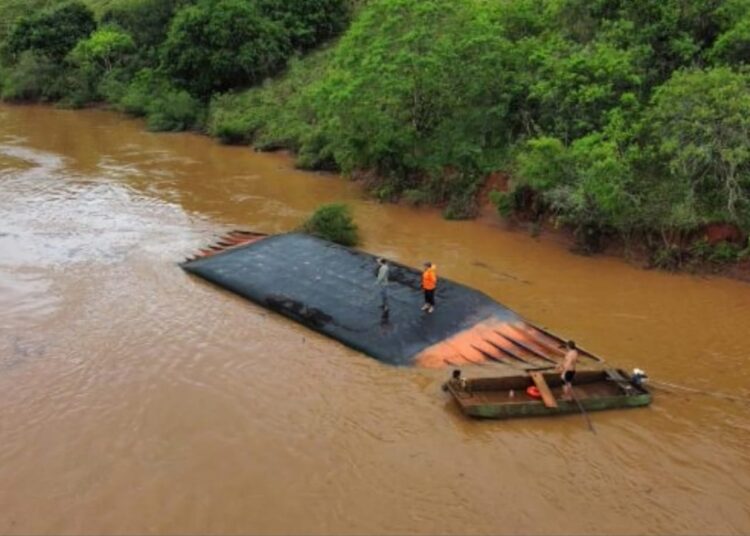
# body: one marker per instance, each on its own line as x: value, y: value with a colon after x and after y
x: 568, y: 369
x: 457, y: 381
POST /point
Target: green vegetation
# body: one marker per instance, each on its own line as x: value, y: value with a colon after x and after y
x: 161, y: 59
x: 51, y: 33
x: 619, y: 120
x: 333, y: 222
x: 269, y: 115
x: 218, y: 45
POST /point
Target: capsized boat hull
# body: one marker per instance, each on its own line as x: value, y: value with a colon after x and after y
x: 506, y: 397
x: 331, y: 289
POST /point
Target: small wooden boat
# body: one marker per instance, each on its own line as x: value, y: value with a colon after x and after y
x: 509, y: 397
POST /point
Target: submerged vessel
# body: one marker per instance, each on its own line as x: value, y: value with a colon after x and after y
x: 331, y: 289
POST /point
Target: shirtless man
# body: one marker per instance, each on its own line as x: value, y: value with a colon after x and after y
x: 568, y: 369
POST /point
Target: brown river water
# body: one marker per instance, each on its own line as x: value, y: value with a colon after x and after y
x: 135, y: 398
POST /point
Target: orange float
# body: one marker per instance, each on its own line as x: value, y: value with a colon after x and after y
x: 533, y: 392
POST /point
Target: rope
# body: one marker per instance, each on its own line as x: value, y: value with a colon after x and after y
x: 667, y: 385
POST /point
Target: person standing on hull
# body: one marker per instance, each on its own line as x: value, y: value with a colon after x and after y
x: 429, y: 284
x: 382, y: 282
x: 568, y: 369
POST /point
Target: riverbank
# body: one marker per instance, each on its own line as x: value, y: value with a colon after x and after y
x: 486, y: 212
x: 429, y: 99
x: 635, y: 255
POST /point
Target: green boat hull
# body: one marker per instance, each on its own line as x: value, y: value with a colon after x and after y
x: 507, y: 398
x: 538, y: 409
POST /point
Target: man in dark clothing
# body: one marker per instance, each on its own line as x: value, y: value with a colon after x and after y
x: 382, y: 282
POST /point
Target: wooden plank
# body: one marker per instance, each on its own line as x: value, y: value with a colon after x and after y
x: 541, y: 384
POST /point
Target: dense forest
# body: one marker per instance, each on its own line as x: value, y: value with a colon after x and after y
x: 624, y: 121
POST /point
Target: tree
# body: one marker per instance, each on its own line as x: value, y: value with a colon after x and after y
x: 544, y: 164
x: 585, y: 185
x: 733, y: 46
x: 51, y: 32
x: 104, y: 50
x: 667, y: 34
x: 699, y: 122
x: 577, y: 85
x: 308, y: 22
x: 147, y: 21
x: 216, y: 45
x: 415, y: 88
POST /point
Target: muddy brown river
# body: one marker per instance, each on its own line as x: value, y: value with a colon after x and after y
x: 135, y: 398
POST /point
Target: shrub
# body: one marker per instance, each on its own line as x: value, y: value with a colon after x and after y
x: 32, y: 78
x: 701, y: 249
x: 698, y: 254
x: 113, y: 85
x: 724, y: 253
x: 140, y: 92
x: 415, y: 197
x: 503, y: 201
x: 235, y: 118
x: 668, y: 257
x: 278, y: 114
x: 174, y: 110
x: 166, y: 107
x: 333, y: 222
x: 462, y: 205
x: 745, y: 252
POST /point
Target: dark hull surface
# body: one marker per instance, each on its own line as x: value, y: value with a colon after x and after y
x: 332, y: 289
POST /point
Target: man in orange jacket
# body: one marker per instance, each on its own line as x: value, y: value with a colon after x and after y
x: 429, y: 283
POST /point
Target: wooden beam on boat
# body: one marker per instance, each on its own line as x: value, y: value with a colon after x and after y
x: 541, y: 384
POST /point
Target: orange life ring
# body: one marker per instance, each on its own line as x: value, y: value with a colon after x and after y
x: 533, y: 391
